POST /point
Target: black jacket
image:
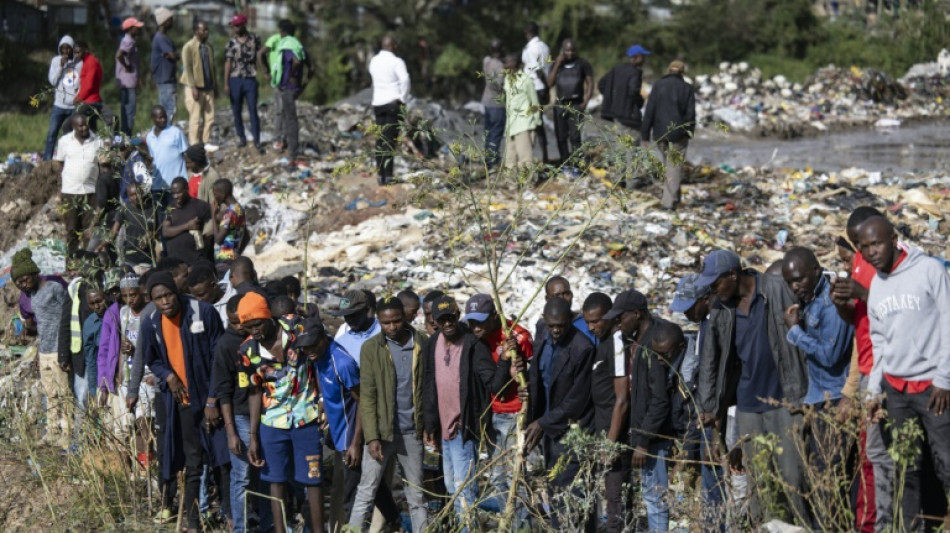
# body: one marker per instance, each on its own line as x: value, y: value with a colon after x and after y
x: 570, y: 385
x: 720, y: 367
x: 480, y: 376
x: 670, y: 114
x: 622, y: 99
x: 650, y: 404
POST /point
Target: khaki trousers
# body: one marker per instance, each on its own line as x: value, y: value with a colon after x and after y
x: 519, y: 149
x: 674, y: 154
x: 59, y: 399
x: 200, y: 115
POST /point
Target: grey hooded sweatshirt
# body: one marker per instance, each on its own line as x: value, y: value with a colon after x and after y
x: 909, y: 313
x: 65, y: 77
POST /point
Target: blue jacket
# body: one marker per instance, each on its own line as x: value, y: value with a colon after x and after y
x: 200, y: 330
x: 825, y: 339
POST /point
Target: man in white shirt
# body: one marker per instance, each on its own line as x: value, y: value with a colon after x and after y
x: 536, y: 59
x: 77, y: 159
x: 390, y: 93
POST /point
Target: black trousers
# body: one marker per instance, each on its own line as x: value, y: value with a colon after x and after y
x: 567, y: 128
x: 619, y: 502
x: 387, y: 118
x: 902, y: 407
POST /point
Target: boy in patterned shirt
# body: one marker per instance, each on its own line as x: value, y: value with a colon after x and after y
x: 229, y: 228
x: 285, y: 436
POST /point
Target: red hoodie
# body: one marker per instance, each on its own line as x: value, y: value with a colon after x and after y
x: 90, y: 80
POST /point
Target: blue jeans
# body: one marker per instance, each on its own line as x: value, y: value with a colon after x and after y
x: 505, y: 439
x: 241, y: 89
x: 127, y: 122
x: 458, y: 465
x: 166, y: 99
x: 494, y: 131
x: 653, y: 475
x: 56, y: 120
x: 714, y: 486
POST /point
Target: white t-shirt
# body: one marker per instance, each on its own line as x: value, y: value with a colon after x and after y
x: 534, y: 58
x: 80, y: 163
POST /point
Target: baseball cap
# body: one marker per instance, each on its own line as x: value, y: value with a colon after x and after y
x: 131, y: 22
x: 687, y: 292
x: 631, y: 300
x: 444, y: 306
x: 353, y: 302
x: 479, y: 308
x: 238, y: 20
x: 716, y: 264
x: 313, y: 330
x: 637, y: 50
x: 162, y: 14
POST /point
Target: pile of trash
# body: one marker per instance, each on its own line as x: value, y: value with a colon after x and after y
x: 739, y: 97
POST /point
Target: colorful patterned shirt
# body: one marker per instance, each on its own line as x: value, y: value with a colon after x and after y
x: 243, y: 56
x: 290, y: 388
x: 233, y: 222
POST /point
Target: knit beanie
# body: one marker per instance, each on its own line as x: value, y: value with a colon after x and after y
x: 162, y: 278
x: 253, y: 306
x: 23, y: 264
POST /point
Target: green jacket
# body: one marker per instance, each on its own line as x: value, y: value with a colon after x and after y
x: 378, y: 387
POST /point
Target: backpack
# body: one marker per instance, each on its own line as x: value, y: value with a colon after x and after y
x: 570, y: 81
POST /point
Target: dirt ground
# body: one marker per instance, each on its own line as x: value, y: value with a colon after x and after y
x: 21, y: 198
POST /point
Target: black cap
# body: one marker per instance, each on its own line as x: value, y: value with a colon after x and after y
x: 313, y: 331
x: 444, y: 306
x: 627, y: 301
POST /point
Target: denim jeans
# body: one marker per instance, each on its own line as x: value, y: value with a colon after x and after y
x: 240, y: 473
x: 653, y: 475
x: 81, y: 393
x: 127, y: 121
x: 713, y: 484
x: 458, y: 465
x: 245, y: 89
x: 166, y: 99
x: 494, y: 131
x: 56, y: 120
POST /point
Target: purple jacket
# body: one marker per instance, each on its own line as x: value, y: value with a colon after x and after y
x: 110, y: 347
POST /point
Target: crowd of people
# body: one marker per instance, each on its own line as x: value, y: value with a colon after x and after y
x: 518, y: 90
x: 169, y: 336
x: 244, y: 385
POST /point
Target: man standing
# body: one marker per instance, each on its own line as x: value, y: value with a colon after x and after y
x: 200, y: 83
x: 459, y: 373
x: 670, y: 119
x: 51, y: 304
x: 127, y: 72
x: 522, y: 116
x: 390, y: 94
x: 747, y: 360
x: 621, y: 88
x: 358, y: 309
x: 240, y: 76
x: 573, y: 77
x: 229, y: 225
x: 909, y: 312
x: 815, y: 327
x: 493, y: 68
x: 534, y: 59
x: 485, y: 324
x: 77, y: 161
x: 610, y: 395
x: 284, y: 66
x: 163, y: 62
x: 88, y: 101
x: 167, y: 145
x: 64, y: 72
x: 182, y: 226
x: 391, y: 412
x: 559, y: 383
x: 178, y: 341
x: 650, y: 428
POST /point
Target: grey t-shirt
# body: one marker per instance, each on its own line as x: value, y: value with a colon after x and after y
x: 494, y: 71
x: 402, y: 359
x: 51, y: 307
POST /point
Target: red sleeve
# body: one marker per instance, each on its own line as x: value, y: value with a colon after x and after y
x: 90, y: 80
